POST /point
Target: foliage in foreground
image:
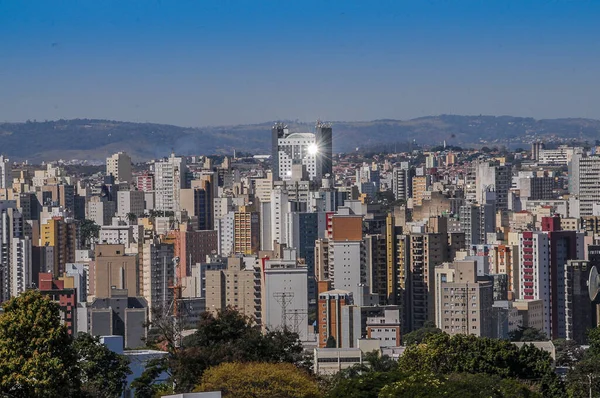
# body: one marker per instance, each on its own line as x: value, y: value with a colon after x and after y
x: 442, y: 362
x: 40, y: 359
x: 227, y: 337
x: 464, y: 385
x: 248, y: 380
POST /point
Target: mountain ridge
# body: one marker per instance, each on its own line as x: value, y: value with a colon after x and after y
x: 95, y: 139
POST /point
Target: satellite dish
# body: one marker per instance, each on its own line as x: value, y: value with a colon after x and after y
x: 594, y: 285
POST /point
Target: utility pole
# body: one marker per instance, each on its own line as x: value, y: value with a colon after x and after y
x: 284, y: 299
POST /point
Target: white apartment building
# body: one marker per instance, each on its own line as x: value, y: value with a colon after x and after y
x: 21, y: 261
x: 169, y: 178
x: 5, y: 173
x: 534, y: 284
x: 285, y: 294
x: 297, y: 148
x: 130, y: 202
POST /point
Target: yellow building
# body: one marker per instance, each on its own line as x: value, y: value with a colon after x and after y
x: 246, y: 231
x: 61, y: 236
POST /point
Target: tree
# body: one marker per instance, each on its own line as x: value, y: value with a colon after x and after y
x: 362, y: 384
x: 444, y: 354
x: 131, y: 217
x: 37, y: 357
x: 463, y: 385
x: 527, y: 334
x: 144, y: 386
x: 380, y: 363
x: 227, y: 337
x: 568, y: 352
x: 253, y: 379
x: 89, y: 231
x: 584, y: 375
x: 103, y: 372
x: 419, y: 335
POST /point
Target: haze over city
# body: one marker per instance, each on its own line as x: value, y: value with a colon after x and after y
x: 208, y: 63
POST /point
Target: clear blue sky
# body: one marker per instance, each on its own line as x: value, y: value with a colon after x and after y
x: 198, y: 63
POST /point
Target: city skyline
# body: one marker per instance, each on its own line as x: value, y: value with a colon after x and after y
x: 207, y: 63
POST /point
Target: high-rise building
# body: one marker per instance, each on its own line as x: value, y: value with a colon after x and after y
x: 234, y: 285
x: 169, y: 179
x: 297, y: 149
x: 463, y: 301
x: 119, y: 166
x: 583, y: 182
x: 120, y: 314
x: 492, y: 176
x: 417, y: 256
x: 536, y: 147
x: 535, y: 272
x: 192, y: 247
x: 114, y: 269
x: 376, y: 265
x: 158, y: 274
x: 65, y: 297
x: 420, y: 185
x: 101, y: 211
x: 278, y: 131
x: 506, y: 261
x: 580, y: 312
x: 329, y: 312
x: 563, y: 246
x: 402, y: 182
x: 130, y: 202
x: 5, y: 173
x: 21, y: 272
x: 324, y: 136
x: 285, y: 294
x: 246, y: 231
x: 145, y: 182
x: 63, y: 236
x: 314, y: 151
x: 476, y: 221
x: 302, y: 232
x: 347, y: 257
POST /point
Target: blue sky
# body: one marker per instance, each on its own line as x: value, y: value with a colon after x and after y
x: 198, y: 63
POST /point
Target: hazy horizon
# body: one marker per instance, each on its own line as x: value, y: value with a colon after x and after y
x: 201, y: 63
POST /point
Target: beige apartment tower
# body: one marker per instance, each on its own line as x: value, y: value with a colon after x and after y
x: 114, y: 269
x: 234, y: 286
x: 463, y: 302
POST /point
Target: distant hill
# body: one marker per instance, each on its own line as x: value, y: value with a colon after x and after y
x: 96, y: 139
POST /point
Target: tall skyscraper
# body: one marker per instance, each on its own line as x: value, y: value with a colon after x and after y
x: 169, y: 178
x: 324, y: 135
x: 5, y: 173
x: 583, y: 182
x: 278, y: 131
x: 313, y: 151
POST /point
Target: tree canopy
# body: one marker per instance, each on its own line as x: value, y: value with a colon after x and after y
x: 103, y: 372
x: 227, y: 337
x: 255, y: 379
x: 419, y: 335
x: 37, y: 357
x: 464, y: 385
x: 527, y: 334
x: 442, y: 354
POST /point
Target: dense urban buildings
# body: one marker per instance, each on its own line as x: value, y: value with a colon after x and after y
x: 340, y: 248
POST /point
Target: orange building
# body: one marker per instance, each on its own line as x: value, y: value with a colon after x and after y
x: 330, y: 312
